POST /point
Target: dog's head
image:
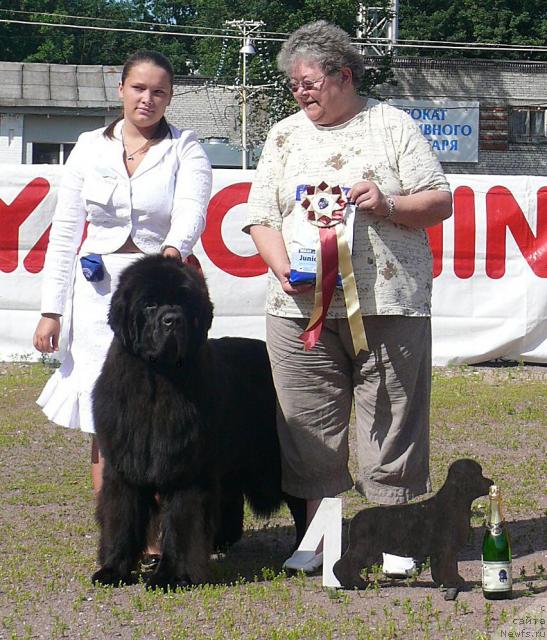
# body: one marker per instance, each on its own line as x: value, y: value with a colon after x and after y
x: 466, y: 476
x: 161, y: 310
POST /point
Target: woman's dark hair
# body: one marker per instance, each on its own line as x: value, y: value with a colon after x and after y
x: 158, y: 59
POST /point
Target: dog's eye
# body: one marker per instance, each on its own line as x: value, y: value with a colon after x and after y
x: 150, y: 307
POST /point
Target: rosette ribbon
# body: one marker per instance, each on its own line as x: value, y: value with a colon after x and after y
x: 325, y: 209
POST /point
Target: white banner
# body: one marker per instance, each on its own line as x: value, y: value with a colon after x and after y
x: 451, y: 127
x: 490, y: 264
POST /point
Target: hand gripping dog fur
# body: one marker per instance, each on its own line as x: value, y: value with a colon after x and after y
x: 437, y: 527
x: 184, y: 418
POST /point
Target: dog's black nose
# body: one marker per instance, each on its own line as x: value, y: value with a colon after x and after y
x: 169, y: 319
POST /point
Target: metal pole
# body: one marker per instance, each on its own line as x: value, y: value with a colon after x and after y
x: 393, y: 30
x: 244, y: 106
x: 247, y: 28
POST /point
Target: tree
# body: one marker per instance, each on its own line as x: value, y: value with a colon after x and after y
x: 215, y: 57
x: 280, y: 16
x: 220, y: 59
x: 519, y: 22
x: 42, y: 43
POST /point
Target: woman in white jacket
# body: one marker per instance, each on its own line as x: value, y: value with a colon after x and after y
x: 143, y: 187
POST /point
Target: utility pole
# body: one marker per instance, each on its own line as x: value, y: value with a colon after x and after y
x: 246, y: 28
x: 373, y: 23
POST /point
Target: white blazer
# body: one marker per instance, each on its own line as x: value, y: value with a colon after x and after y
x: 164, y: 203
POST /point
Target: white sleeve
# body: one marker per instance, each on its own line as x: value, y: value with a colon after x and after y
x: 263, y: 203
x: 65, y: 234
x: 193, y: 182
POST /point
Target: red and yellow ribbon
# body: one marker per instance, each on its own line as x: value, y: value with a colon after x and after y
x: 325, y: 206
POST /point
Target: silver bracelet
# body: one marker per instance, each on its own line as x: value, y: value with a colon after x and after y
x: 390, y: 208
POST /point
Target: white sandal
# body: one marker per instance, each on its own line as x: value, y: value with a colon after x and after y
x: 398, y: 566
x: 306, y: 561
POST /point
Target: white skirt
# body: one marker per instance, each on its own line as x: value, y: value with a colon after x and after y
x: 66, y: 398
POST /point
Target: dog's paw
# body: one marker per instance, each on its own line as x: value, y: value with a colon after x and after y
x: 167, y: 583
x: 451, y: 593
x: 354, y: 582
x: 348, y: 577
x: 110, y: 577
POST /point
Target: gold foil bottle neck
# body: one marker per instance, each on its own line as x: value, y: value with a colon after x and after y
x: 495, y: 512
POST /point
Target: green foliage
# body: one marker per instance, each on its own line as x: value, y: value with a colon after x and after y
x: 519, y: 22
x: 28, y: 43
x: 218, y: 58
x: 221, y: 59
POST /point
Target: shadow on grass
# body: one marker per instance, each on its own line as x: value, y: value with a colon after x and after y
x: 260, y: 554
x: 527, y: 536
x: 257, y: 557
x: 503, y: 363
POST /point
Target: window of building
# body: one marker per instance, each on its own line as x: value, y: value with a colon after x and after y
x: 528, y: 124
x: 50, y: 152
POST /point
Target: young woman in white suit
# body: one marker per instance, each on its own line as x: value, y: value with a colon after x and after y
x: 142, y: 186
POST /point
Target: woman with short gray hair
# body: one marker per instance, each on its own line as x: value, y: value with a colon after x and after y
x: 340, y: 201
x: 327, y: 45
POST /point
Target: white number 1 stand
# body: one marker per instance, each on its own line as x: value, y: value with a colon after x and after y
x: 327, y: 526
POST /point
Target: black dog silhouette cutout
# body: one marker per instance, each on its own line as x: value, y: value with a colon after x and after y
x: 437, y: 527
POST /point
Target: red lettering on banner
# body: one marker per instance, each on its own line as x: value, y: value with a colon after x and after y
x: 436, y: 243
x: 503, y: 212
x: 464, y: 232
x: 213, y: 243
x: 34, y: 262
x: 12, y: 217
x: 464, y: 236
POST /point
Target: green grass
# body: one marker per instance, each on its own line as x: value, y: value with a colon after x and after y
x: 503, y: 424
x: 48, y: 536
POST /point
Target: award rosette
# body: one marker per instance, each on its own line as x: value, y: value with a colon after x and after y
x: 324, y: 209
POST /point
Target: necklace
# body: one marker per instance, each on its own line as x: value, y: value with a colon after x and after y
x: 131, y: 156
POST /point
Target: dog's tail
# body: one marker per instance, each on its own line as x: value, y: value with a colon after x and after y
x: 262, y: 486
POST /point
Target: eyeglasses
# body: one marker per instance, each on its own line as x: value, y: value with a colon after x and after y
x: 307, y: 85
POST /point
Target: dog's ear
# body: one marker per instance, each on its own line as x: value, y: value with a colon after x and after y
x: 466, y: 474
x: 122, y: 317
x: 116, y: 313
x: 202, y: 309
x: 463, y: 467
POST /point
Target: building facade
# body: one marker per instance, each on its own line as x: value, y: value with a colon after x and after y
x: 45, y: 107
x: 496, y: 111
x: 512, y: 102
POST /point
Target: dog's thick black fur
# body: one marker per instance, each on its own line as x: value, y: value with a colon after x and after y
x: 181, y: 417
x: 437, y: 527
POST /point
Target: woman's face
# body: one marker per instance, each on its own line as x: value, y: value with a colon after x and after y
x: 145, y: 93
x: 327, y: 102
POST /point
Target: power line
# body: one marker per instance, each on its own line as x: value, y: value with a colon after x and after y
x: 401, y: 44
x: 222, y: 30
x: 111, y: 20
x: 460, y: 46
x: 468, y: 44
x: 119, y: 29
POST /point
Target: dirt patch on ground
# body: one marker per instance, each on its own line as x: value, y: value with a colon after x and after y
x: 48, y: 540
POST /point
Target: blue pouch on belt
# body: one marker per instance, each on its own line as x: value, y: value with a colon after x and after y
x: 92, y: 267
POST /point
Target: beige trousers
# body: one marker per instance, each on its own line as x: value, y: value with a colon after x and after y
x: 390, y: 387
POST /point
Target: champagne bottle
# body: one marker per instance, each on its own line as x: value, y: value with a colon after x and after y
x: 496, y: 552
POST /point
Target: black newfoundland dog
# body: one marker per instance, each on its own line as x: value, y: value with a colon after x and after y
x: 186, y: 426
